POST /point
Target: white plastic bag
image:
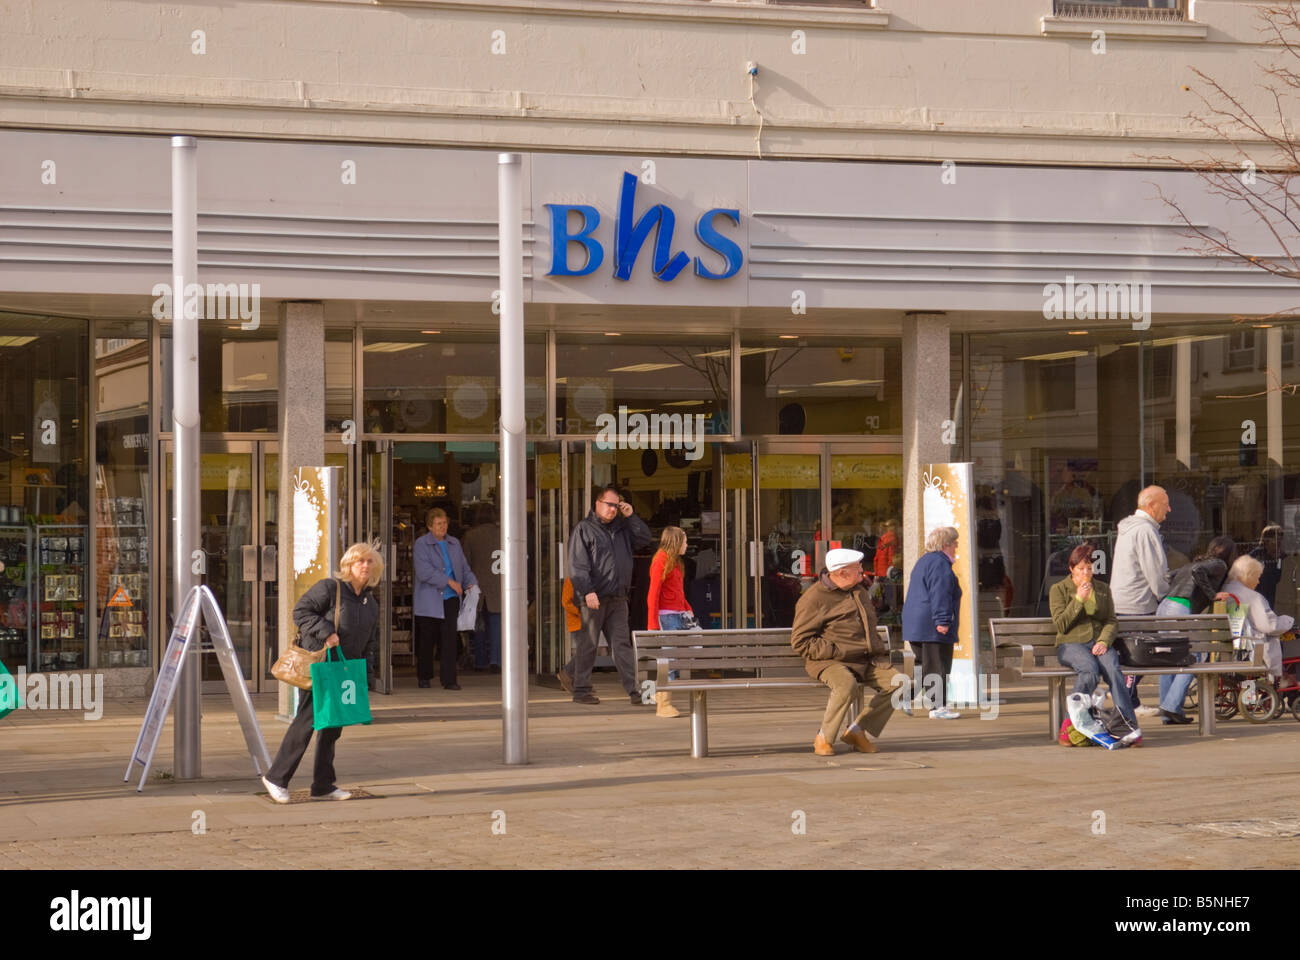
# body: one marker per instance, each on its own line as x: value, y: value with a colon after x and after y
x: 468, y: 609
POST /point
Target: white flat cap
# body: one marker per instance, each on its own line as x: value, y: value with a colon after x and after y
x: 838, y: 558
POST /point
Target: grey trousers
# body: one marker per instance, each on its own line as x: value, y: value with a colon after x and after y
x: 612, y: 618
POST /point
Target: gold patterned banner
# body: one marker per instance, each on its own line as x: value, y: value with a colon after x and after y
x: 874, y: 472
x: 737, y: 471
x: 947, y: 500
x: 790, y: 471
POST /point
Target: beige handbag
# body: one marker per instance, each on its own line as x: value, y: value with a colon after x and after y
x: 294, y: 665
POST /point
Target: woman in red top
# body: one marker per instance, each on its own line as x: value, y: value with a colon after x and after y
x: 666, y: 603
x: 886, y: 547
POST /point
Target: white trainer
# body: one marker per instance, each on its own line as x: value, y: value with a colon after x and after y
x: 1147, y: 711
x: 943, y: 713
x: 336, y: 795
x: 278, y: 794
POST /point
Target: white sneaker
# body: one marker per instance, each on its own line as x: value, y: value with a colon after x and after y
x: 1131, y: 737
x: 336, y: 795
x: 906, y: 707
x: 1146, y: 711
x: 278, y: 794
x: 943, y: 713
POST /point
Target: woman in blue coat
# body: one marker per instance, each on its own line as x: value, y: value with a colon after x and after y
x: 931, y: 615
x: 442, y: 575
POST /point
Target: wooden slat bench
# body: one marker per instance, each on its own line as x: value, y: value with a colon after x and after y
x: 1029, y: 646
x: 766, y: 654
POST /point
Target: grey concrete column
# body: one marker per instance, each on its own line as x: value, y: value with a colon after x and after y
x: 925, y: 408
x: 302, y: 438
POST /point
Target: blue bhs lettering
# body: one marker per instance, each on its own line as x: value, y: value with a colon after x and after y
x: 630, y: 234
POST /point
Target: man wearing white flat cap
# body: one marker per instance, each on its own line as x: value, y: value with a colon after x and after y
x: 835, y: 632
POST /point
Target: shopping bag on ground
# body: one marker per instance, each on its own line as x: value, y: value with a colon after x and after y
x: 1083, y: 714
x: 11, y: 698
x: 468, y: 609
x: 339, y: 693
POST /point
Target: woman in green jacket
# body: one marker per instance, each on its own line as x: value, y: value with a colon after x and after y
x: 1084, y: 615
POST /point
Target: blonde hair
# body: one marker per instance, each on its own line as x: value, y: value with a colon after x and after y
x: 939, y: 538
x: 671, y: 544
x: 1244, y: 568
x: 355, y: 553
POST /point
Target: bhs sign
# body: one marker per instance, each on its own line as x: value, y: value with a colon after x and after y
x: 630, y: 235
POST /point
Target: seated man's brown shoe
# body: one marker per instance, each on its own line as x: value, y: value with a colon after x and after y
x: 858, y: 740
x: 821, y: 747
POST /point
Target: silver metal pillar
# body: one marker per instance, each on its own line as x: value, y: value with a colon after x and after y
x: 185, y: 428
x: 699, y: 724
x: 1207, y: 689
x: 514, y: 532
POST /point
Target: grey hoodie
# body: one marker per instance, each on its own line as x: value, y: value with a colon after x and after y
x: 1139, y: 574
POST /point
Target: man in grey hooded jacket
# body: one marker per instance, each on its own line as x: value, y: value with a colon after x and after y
x: 1139, y: 577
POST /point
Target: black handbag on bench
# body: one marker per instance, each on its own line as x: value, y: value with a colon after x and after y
x: 1154, y: 650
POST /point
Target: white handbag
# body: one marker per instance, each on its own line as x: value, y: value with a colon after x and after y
x: 468, y: 609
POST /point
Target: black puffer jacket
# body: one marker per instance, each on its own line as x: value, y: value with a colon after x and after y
x: 600, y: 554
x: 358, y: 618
x: 1198, y: 582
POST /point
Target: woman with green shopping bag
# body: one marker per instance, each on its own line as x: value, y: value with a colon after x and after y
x: 339, y: 613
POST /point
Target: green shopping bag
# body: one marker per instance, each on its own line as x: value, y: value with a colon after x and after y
x: 339, y: 693
x: 11, y: 698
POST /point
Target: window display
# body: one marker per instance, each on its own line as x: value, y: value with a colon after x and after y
x: 61, y: 575
x: 122, y: 566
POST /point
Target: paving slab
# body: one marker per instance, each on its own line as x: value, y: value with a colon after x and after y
x: 613, y: 786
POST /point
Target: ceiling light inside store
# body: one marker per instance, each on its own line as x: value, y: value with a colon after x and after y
x: 388, y: 346
x: 431, y: 331
x: 846, y: 383
x: 1262, y: 326
x: 1077, y: 333
x: 1170, y: 341
x: 643, y: 367
x: 744, y: 352
x: 1059, y: 355
x: 253, y: 376
x: 15, y: 341
x: 788, y: 336
x: 613, y: 334
x: 684, y: 403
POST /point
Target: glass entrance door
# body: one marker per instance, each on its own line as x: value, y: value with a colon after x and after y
x: 231, y: 538
x: 400, y: 481
x: 269, y: 497
x: 810, y: 498
x: 239, y: 499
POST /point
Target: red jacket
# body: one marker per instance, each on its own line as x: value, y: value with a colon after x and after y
x: 884, y: 558
x: 666, y: 593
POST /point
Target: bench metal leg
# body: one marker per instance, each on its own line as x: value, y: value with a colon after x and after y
x: 855, y: 703
x: 699, y: 724
x: 1055, y: 705
x: 1207, y: 687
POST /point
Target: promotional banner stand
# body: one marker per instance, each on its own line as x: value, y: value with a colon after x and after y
x: 948, y: 500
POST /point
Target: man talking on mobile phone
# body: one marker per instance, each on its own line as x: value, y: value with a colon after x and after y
x: 600, y: 568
